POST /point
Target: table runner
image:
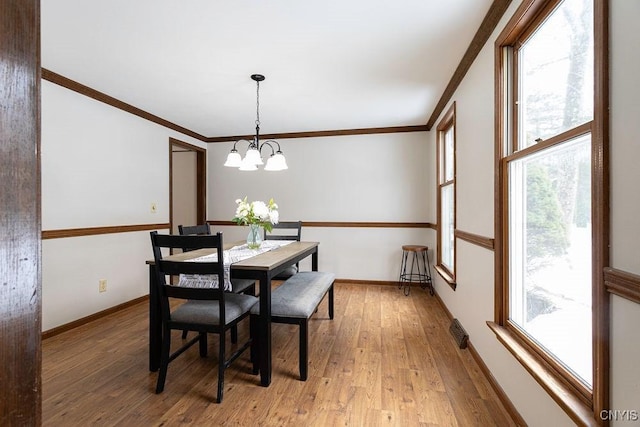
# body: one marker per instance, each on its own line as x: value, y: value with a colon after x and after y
x: 235, y: 254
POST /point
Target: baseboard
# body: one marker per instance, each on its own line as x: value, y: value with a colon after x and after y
x: 95, y: 316
x: 367, y: 282
x: 511, y: 410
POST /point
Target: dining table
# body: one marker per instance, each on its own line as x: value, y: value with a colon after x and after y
x: 262, y: 267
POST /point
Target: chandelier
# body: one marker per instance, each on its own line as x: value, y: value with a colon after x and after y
x: 253, y: 157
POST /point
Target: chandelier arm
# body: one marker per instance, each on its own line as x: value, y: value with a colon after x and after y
x: 267, y: 143
x: 240, y: 140
x: 275, y: 142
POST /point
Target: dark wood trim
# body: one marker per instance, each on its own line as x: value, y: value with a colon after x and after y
x: 600, y: 227
x: 622, y: 283
x: 95, y: 316
x: 20, y: 215
x: 201, y: 179
x: 94, y: 231
x: 116, y: 103
x: 446, y: 276
x: 331, y: 224
x: 201, y: 189
x: 524, y: 15
x: 476, y: 239
x: 321, y: 133
x: 489, y: 23
x: 578, y: 411
x: 557, y: 139
x: 552, y: 366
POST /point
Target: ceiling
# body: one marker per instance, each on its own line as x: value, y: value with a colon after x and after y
x: 329, y: 65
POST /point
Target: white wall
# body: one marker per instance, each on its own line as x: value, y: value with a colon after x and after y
x: 625, y: 203
x: 472, y: 302
x: 100, y: 167
x: 374, y: 178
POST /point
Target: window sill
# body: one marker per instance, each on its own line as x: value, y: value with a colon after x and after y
x: 577, y: 410
x: 446, y: 276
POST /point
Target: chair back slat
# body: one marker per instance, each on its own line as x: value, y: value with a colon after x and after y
x: 182, y: 292
x: 196, y: 230
x: 187, y: 267
x: 165, y: 267
x: 285, y: 230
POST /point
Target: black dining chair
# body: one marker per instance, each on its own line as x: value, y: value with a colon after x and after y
x: 285, y: 230
x: 205, y: 310
x: 238, y: 286
x: 200, y: 229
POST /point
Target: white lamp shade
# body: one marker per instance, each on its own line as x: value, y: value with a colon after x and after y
x: 253, y: 156
x: 281, y: 162
x: 271, y: 165
x: 247, y: 166
x: 276, y: 162
x: 233, y: 160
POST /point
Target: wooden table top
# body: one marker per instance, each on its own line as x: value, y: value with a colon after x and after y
x: 264, y: 261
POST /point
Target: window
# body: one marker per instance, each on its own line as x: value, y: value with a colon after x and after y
x: 551, y: 239
x: 446, y: 261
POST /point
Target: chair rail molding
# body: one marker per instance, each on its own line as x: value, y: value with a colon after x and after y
x: 94, y: 231
x: 476, y: 239
x: 347, y: 224
x: 622, y: 283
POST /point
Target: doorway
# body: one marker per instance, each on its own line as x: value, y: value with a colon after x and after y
x: 187, y: 184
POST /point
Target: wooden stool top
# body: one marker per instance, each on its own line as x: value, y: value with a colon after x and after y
x: 414, y: 248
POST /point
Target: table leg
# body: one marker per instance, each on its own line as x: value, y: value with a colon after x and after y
x: 264, y: 331
x: 314, y: 260
x: 155, y: 326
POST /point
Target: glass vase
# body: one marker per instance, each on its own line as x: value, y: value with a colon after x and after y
x: 254, y: 238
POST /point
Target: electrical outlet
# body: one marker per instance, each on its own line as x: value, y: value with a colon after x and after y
x: 102, y: 285
x: 154, y: 207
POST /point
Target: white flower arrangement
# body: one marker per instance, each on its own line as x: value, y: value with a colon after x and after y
x: 257, y: 213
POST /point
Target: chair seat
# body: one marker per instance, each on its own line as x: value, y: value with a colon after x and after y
x: 208, y: 312
x: 238, y: 286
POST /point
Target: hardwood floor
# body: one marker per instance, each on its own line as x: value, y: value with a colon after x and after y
x: 385, y: 359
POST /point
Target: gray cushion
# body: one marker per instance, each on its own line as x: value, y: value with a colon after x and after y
x: 207, y: 312
x: 299, y: 295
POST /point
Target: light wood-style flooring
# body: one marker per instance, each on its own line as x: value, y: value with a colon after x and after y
x: 385, y: 360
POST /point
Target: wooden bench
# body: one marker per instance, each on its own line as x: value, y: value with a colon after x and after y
x: 294, y: 302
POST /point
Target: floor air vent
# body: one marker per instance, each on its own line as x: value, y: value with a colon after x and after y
x: 459, y: 333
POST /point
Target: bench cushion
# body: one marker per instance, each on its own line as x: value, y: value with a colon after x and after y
x: 299, y: 295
